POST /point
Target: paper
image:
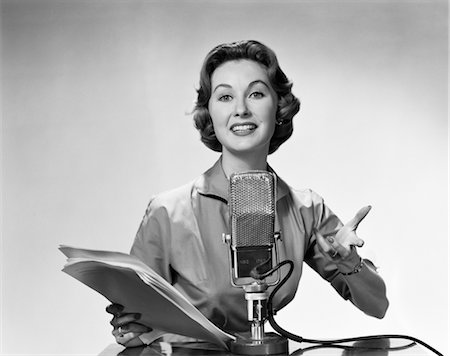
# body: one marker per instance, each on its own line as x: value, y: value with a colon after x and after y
x: 125, y: 280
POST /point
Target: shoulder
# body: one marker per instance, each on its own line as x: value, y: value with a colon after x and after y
x: 304, y: 197
x: 171, y: 200
x: 174, y: 195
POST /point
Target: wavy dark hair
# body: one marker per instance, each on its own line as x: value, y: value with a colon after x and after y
x: 288, y: 104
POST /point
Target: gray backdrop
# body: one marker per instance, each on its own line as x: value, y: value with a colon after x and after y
x: 96, y: 98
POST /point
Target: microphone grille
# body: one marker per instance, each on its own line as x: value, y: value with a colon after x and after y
x: 252, y: 208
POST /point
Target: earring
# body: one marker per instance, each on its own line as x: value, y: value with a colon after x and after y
x: 279, y: 122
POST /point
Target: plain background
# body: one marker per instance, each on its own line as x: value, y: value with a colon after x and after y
x: 96, y: 99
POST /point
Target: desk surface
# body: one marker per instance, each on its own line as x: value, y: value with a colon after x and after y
x: 391, y: 348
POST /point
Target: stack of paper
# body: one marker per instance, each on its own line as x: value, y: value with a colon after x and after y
x: 125, y: 280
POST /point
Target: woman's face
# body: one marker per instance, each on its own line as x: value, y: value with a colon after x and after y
x: 242, y: 106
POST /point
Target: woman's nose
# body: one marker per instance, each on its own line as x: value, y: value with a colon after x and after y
x: 241, y: 108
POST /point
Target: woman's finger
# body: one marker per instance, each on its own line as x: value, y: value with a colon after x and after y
x: 324, y: 245
x: 125, y: 319
x: 360, y: 215
x: 114, y: 309
x: 129, y: 339
x: 359, y: 242
x: 131, y: 327
x: 333, y: 247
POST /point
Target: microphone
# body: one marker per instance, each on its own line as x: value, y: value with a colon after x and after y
x: 253, y: 254
x: 252, y: 221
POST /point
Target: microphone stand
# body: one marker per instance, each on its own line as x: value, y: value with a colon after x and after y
x: 256, y: 297
x: 257, y: 341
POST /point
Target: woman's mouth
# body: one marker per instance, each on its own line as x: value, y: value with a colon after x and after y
x: 243, y: 129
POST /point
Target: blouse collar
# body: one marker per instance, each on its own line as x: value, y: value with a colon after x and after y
x: 214, y: 183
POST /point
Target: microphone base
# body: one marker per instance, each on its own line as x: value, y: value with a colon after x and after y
x: 271, y: 344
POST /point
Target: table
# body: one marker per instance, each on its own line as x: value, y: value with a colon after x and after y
x: 295, y: 349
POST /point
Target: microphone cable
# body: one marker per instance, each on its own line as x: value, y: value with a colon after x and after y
x: 350, y: 348
x: 328, y: 343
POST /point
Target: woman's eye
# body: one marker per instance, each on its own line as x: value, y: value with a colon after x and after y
x: 225, y: 97
x: 257, y: 95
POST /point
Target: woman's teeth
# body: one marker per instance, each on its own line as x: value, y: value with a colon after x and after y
x: 246, y: 127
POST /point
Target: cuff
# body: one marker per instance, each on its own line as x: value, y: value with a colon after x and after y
x: 350, y: 263
x: 150, y: 337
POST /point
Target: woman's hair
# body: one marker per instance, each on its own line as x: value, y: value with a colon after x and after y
x: 288, y: 104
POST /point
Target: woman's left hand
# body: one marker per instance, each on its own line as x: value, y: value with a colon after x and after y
x: 339, y: 246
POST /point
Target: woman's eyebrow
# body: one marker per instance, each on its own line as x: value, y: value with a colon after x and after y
x: 222, y: 85
x: 257, y: 82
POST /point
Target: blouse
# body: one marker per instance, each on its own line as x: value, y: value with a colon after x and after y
x: 180, y: 237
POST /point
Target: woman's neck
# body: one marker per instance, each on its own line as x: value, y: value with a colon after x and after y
x: 236, y: 164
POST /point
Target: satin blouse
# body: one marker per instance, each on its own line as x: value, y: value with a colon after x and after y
x: 180, y: 237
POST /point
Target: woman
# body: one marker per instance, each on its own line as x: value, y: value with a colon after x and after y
x: 244, y: 110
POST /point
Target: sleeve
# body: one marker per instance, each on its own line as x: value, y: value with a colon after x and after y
x: 152, y: 246
x: 152, y: 242
x: 365, y: 289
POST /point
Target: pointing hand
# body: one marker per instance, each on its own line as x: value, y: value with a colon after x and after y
x: 340, y: 245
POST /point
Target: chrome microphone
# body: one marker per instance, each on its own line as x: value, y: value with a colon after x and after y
x: 252, y: 219
x: 253, y: 255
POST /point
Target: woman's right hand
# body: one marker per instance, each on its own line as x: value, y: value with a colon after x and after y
x: 126, y: 329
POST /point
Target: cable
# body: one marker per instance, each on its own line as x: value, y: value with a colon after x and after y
x: 351, y: 348
x: 300, y: 339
